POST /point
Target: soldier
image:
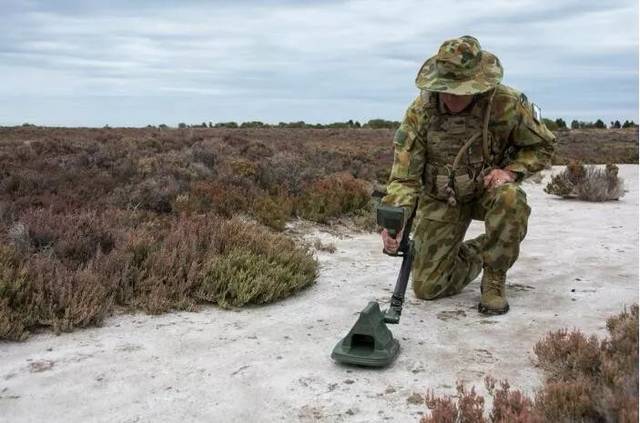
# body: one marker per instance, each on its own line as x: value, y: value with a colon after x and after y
x: 463, y: 147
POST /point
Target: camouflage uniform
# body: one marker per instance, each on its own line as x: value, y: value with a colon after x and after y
x: 440, y: 160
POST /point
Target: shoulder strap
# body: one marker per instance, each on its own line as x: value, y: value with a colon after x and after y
x: 485, y: 128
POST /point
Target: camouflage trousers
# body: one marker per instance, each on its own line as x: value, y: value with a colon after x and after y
x: 443, y: 264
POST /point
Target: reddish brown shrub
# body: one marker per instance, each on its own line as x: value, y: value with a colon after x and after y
x: 41, y: 291
x: 256, y: 151
x: 286, y: 172
x: 509, y: 406
x: 565, y: 355
x: 204, y: 153
x: 63, y: 298
x: 468, y: 407
x: 155, y: 194
x: 333, y: 196
x: 213, y: 197
x: 273, y: 211
x: 73, y: 238
x: 586, y: 381
x: 156, y: 264
x: 162, y: 267
x: 14, y: 291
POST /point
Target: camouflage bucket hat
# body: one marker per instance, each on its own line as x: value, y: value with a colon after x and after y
x: 461, y: 67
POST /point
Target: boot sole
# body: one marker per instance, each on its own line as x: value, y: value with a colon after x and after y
x: 491, y: 311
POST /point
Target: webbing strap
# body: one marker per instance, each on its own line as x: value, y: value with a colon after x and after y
x: 485, y: 129
x: 485, y: 150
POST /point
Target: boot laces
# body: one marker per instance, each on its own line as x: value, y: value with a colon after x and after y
x: 495, y: 281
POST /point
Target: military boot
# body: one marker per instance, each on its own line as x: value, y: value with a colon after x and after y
x: 494, y: 299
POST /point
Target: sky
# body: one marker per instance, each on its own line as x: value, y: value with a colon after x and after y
x: 135, y: 63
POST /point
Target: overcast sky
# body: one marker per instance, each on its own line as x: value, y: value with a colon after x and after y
x: 133, y: 63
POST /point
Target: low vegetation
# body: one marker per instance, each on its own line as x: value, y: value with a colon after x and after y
x: 587, y: 183
x: 64, y: 272
x: 586, y: 380
x: 98, y: 220
x: 95, y: 220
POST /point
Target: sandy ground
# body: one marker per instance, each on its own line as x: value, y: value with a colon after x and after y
x: 579, y: 264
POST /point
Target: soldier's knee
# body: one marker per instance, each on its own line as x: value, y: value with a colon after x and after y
x: 429, y: 290
x: 511, y: 196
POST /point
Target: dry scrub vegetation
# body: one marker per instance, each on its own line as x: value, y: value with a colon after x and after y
x: 96, y: 220
x: 597, y: 146
x: 587, y: 183
x: 586, y: 380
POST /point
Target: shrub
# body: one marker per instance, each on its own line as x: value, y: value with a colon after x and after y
x: 225, y: 199
x: 586, y: 380
x: 601, y: 185
x: 256, y: 151
x: 468, y: 407
x: 13, y: 292
x: 159, y: 265
x: 587, y: 183
x: 41, y: 291
x: 244, y: 168
x: 273, y: 211
x: 64, y: 298
x: 204, y: 154
x: 331, y: 197
x: 365, y: 218
x: 255, y: 266
x: 285, y: 172
x: 73, y: 238
x: 155, y: 194
x: 164, y: 267
x: 509, y: 405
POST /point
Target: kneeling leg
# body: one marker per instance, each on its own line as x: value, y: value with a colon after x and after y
x: 443, y: 264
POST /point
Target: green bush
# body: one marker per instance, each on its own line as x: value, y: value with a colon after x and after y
x: 255, y: 266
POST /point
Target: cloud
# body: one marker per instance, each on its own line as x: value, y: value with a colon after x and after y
x: 191, y: 61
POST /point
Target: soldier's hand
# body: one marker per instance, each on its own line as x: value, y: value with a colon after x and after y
x: 391, y: 244
x: 498, y: 177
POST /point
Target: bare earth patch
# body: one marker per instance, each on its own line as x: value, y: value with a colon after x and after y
x: 271, y: 363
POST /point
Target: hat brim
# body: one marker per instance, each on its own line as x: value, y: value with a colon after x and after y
x: 488, y: 75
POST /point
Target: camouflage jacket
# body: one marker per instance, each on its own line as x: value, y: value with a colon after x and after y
x: 525, y: 142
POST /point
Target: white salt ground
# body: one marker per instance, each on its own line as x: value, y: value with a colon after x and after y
x: 579, y: 264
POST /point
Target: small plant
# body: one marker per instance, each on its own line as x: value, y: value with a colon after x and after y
x: 587, y: 183
x: 321, y: 246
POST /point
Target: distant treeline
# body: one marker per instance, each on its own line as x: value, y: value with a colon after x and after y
x: 372, y: 124
x: 553, y: 125
x: 579, y: 124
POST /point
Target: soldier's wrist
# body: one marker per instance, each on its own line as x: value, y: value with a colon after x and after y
x: 515, y: 175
